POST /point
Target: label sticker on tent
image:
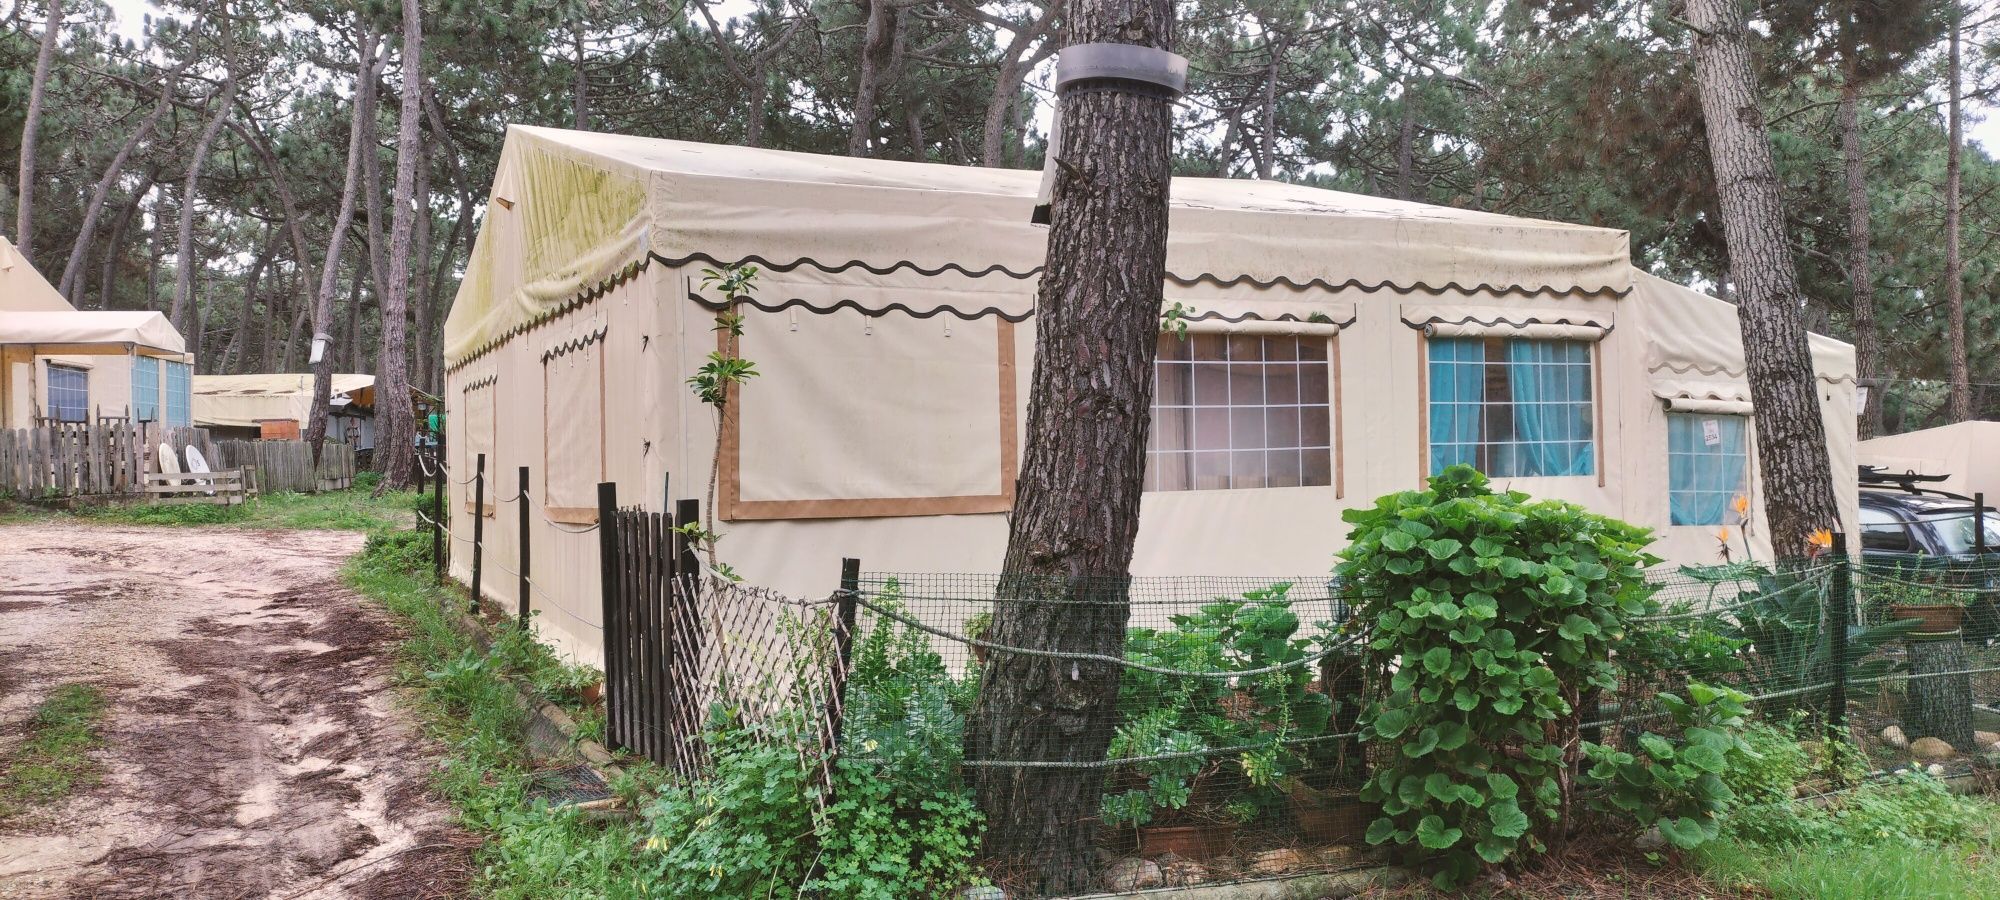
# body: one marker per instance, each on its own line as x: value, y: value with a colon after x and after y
x: 1711, y: 432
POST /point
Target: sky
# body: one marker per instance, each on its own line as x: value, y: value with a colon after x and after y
x: 1982, y: 126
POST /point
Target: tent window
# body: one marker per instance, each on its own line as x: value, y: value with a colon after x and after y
x: 1511, y: 407
x: 1708, y: 466
x: 573, y: 433
x: 69, y: 394
x: 145, y: 389
x: 1240, y: 411
x: 180, y: 394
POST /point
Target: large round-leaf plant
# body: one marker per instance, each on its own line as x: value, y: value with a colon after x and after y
x: 1494, y: 612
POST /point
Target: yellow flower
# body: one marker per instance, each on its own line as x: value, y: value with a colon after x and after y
x: 870, y: 745
x: 1742, y: 504
x: 653, y: 843
x: 1823, y: 539
x: 1723, y: 535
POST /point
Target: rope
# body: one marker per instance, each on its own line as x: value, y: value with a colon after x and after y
x: 1158, y: 757
x: 882, y: 583
x: 890, y: 613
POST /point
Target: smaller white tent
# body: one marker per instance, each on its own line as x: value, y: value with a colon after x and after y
x: 1965, y: 451
x: 59, y: 362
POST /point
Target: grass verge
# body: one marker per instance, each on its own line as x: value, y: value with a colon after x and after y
x: 355, y: 509
x: 466, y: 701
x: 1878, y: 872
x: 54, y: 760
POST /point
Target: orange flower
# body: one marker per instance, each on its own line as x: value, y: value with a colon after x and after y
x: 1742, y: 504
x: 1819, y: 542
x: 1723, y: 535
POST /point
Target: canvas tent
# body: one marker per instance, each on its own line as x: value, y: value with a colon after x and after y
x: 1339, y: 347
x: 58, y: 363
x: 1969, y: 452
x: 239, y: 405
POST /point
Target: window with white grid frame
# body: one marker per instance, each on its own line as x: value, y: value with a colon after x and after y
x: 145, y: 389
x: 1511, y: 407
x: 69, y: 394
x: 1708, y: 467
x: 180, y: 396
x: 1240, y: 411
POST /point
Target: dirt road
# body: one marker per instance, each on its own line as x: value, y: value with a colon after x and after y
x: 253, y: 746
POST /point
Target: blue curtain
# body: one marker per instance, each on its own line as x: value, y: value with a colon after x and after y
x: 1703, y: 478
x: 1457, y: 398
x: 1551, y: 388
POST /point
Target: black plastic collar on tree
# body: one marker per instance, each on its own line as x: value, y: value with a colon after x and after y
x: 1107, y: 68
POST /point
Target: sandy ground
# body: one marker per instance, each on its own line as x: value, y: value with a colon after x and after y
x: 253, y: 745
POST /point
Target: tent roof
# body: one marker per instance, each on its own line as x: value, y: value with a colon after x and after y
x: 1693, y: 339
x: 24, y: 289
x: 73, y: 332
x: 274, y: 384
x: 243, y: 401
x: 570, y: 210
x: 1963, y: 450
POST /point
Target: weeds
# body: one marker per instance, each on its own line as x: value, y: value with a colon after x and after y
x: 350, y: 510
x: 53, y: 761
x: 467, y: 703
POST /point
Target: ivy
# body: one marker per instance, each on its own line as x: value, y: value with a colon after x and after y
x: 1495, y: 613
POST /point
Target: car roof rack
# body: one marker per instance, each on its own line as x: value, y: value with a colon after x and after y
x: 1875, y: 476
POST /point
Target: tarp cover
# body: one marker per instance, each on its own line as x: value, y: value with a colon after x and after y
x: 22, y: 288
x: 1966, y: 451
x: 69, y: 329
x: 1694, y: 345
x: 242, y: 401
x: 570, y: 210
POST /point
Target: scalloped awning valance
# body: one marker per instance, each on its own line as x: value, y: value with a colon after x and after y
x: 580, y: 208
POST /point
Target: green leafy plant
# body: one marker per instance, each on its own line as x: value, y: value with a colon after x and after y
x: 884, y: 839
x: 1781, y: 618
x: 1675, y: 782
x: 1260, y: 726
x: 745, y: 829
x: 1495, y: 612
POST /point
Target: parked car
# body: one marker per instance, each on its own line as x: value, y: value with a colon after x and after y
x: 1906, y: 526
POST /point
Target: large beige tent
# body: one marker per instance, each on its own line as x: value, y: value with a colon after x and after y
x: 61, y: 364
x: 1968, y: 452
x: 243, y: 403
x: 1338, y: 347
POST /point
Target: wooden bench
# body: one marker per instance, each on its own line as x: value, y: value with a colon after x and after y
x: 223, y: 488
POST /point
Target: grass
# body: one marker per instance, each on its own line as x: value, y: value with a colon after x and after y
x: 54, y: 760
x: 1879, y: 872
x: 467, y: 703
x: 355, y: 509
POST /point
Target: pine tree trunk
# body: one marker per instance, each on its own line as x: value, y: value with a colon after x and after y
x: 1940, y: 706
x: 1791, y: 437
x: 1406, y: 149
x: 1077, y: 512
x: 71, y: 283
x: 107, y: 282
x: 184, y: 261
x: 31, y: 124
x: 365, y: 69
x: 395, y: 422
x: 1959, y: 405
x: 1267, y: 141
x: 1860, y: 266
x: 421, y: 301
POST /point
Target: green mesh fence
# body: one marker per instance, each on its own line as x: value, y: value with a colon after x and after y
x: 1235, y: 751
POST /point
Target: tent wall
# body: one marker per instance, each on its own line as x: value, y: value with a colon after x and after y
x: 1963, y: 451
x: 524, y: 411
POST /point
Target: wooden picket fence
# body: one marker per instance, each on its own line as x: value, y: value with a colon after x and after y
x: 227, y: 487
x: 287, y: 465
x: 76, y: 458
x: 111, y: 458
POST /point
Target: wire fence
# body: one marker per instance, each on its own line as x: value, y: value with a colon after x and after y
x: 1234, y: 749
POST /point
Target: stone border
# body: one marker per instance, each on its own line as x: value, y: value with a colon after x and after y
x: 1314, y: 886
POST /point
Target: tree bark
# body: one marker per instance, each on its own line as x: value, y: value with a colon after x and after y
x: 1015, y: 64
x: 233, y: 352
x: 1267, y: 140
x: 1860, y: 265
x: 1406, y: 147
x: 1077, y: 513
x: 31, y: 124
x: 395, y: 423
x: 184, y: 261
x: 365, y: 70
x: 421, y: 301
x: 70, y: 285
x: 1940, y: 706
x: 1791, y: 437
x: 108, y: 278
x: 580, y: 102
x: 877, y: 46
x: 1959, y: 407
